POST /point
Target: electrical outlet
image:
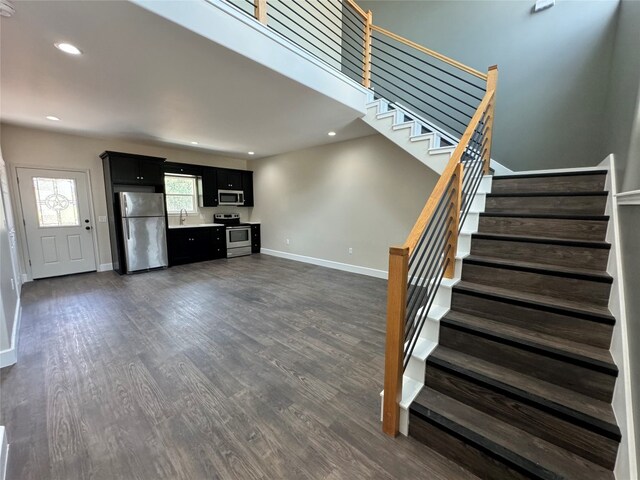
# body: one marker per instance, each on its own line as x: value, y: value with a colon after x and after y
x: 350, y: 251
x: 286, y: 241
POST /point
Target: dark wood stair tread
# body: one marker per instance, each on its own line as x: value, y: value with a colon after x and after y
x: 548, y: 240
x: 598, y: 415
x: 543, y: 302
x: 551, y: 174
x: 579, y: 353
x: 559, y: 270
x: 549, y: 194
x: 576, y: 216
x: 524, y: 451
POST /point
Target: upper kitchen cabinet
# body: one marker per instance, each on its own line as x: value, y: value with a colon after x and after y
x: 208, y: 187
x: 229, y: 179
x: 131, y: 169
x: 183, y: 169
x: 247, y: 188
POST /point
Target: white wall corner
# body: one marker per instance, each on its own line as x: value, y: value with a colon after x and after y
x: 4, y: 452
x: 626, y: 467
x: 10, y: 356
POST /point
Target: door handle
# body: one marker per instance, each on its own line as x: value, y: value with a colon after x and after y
x: 128, y: 232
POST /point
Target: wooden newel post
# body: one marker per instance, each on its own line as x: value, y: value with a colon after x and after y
x: 492, y: 84
x: 261, y: 10
x: 396, y: 310
x: 366, y: 55
x: 454, y: 218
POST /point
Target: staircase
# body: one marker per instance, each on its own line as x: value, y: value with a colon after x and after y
x: 521, y: 381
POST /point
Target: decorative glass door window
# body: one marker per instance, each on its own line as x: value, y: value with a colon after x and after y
x: 56, y: 201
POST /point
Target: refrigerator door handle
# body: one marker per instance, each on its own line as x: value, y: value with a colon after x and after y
x: 124, y: 201
x: 128, y: 230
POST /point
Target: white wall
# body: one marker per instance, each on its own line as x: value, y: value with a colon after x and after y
x: 29, y: 147
x: 9, y: 274
x: 363, y: 194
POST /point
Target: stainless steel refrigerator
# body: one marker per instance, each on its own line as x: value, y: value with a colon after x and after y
x: 144, y: 230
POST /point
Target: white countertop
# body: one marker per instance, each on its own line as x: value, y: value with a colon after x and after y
x: 197, y: 225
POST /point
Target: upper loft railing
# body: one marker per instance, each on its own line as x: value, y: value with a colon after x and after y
x: 340, y: 33
x: 458, y: 100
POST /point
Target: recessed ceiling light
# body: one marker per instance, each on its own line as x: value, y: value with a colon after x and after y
x: 194, y: 143
x: 68, y: 48
x: 52, y: 118
x: 332, y: 134
x: 251, y: 153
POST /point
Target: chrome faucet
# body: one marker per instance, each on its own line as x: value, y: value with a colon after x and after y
x: 182, y: 219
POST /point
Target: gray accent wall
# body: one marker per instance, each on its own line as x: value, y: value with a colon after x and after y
x: 623, y: 139
x: 554, y: 69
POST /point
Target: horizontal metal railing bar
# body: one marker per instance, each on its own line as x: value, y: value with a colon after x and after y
x: 359, y: 26
x: 437, y: 207
x: 424, y: 266
x: 457, y: 130
x: 431, y: 298
x: 404, y: 62
x: 339, y: 26
x: 326, y: 35
x: 481, y: 88
x: 473, y: 107
x: 432, y: 53
x: 430, y: 267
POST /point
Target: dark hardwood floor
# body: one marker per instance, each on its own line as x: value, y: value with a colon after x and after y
x: 250, y: 368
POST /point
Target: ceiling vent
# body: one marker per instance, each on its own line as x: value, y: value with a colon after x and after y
x: 6, y: 8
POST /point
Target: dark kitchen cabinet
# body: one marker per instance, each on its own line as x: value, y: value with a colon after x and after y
x: 208, y: 187
x: 255, y: 238
x: 127, y: 172
x: 247, y: 188
x: 131, y: 169
x: 229, y: 179
x: 183, y: 169
x: 188, y: 245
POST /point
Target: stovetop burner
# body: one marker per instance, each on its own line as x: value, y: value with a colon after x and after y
x: 229, y: 219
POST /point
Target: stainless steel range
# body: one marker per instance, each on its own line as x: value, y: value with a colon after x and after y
x: 238, y: 234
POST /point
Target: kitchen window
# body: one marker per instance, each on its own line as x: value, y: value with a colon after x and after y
x: 181, y: 192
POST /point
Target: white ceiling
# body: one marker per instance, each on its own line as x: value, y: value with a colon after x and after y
x: 143, y: 77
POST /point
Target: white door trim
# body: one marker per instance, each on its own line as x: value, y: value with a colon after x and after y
x: 20, y: 226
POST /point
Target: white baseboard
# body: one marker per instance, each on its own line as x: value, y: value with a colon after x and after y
x: 10, y: 356
x: 105, y: 267
x: 25, y: 278
x: 371, y: 272
x: 622, y: 402
x: 4, y: 453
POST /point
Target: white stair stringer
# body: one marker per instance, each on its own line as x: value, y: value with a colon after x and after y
x: 413, y: 378
x: 400, y: 126
x: 407, y: 130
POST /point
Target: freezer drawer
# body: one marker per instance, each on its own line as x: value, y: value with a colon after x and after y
x: 145, y: 243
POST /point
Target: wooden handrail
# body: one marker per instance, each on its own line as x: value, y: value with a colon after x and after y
x: 439, y: 56
x: 357, y: 8
x: 439, y: 189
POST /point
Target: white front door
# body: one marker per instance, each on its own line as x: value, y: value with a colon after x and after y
x: 56, y: 209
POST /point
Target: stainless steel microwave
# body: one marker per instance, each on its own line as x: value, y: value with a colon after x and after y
x: 230, y: 197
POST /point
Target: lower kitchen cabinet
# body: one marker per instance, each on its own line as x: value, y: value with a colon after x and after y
x: 188, y: 245
x: 255, y: 238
